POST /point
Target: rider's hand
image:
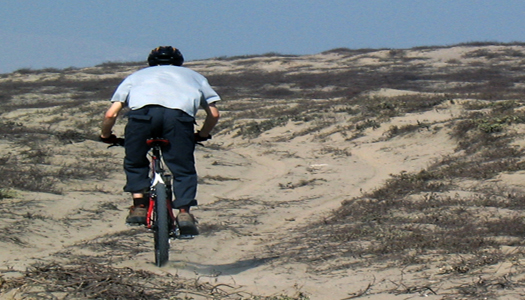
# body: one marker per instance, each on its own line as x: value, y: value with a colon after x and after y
x: 112, y: 139
x: 199, y: 138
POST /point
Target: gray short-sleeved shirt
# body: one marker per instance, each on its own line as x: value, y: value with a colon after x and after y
x: 168, y: 86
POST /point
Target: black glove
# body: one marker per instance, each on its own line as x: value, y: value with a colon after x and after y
x: 199, y: 138
x: 113, y: 140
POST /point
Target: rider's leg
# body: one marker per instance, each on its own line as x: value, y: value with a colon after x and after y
x: 140, y: 198
x: 179, y: 157
x: 136, y: 163
x: 185, y: 208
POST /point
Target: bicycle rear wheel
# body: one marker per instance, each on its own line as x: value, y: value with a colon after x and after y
x: 161, y: 226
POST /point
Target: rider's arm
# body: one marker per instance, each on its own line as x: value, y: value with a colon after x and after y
x: 110, y: 118
x: 212, y: 117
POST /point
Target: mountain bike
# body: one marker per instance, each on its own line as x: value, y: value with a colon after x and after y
x: 160, y: 218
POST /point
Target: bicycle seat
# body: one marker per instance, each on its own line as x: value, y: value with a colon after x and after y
x: 157, y: 142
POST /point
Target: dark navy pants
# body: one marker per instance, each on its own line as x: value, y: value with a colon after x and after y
x: 174, y: 125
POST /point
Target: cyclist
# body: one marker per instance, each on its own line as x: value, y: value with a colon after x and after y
x: 163, y: 100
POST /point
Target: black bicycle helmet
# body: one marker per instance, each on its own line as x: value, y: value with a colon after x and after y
x: 165, y: 55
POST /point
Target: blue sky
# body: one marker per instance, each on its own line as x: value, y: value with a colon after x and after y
x: 78, y: 33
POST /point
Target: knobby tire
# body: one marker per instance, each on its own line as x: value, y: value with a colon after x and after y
x: 161, y: 230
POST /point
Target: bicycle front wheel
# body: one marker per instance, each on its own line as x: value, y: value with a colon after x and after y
x: 161, y: 226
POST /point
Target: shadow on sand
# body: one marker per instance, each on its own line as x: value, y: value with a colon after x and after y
x: 224, y: 269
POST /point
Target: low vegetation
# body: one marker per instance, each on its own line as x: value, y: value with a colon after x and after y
x: 448, y: 209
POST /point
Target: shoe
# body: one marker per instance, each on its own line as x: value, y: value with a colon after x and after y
x: 187, y: 224
x: 137, y: 215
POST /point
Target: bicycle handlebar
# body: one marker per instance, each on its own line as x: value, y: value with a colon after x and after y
x: 120, y: 143
x: 113, y: 140
x: 199, y: 138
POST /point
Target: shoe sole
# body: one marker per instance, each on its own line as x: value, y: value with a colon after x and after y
x: 135, y: 224
x: 136, y: 221
x: 188, y: 229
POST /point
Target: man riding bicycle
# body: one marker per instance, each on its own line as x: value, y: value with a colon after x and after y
x: 163, y: 101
